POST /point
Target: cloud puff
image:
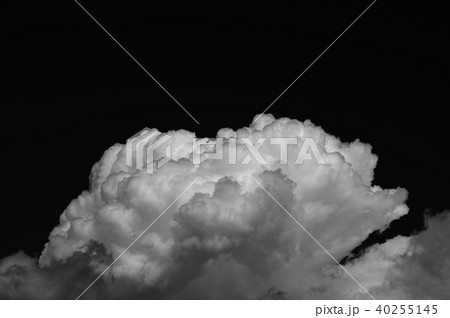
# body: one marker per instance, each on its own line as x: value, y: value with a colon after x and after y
x: 414, y: 267
x: 225, y: 237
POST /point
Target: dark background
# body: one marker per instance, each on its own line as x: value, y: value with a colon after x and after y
x: 69, y: 92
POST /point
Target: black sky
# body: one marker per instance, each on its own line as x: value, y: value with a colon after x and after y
x: 71, y: 92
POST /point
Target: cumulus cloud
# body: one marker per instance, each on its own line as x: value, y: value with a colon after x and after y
x: 414, y: 267
x: 225, y: 237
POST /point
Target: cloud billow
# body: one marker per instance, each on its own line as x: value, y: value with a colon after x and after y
x: 225, y: 237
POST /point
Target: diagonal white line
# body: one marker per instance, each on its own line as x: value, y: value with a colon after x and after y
x: 136, y: 61
x: 313, y: 62
x: 314, y: 239
x: 137, y: 238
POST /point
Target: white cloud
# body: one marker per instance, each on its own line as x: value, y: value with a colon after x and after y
x: 225, y: 237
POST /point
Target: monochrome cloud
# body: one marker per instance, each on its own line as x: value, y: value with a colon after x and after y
x: 225, y: 237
